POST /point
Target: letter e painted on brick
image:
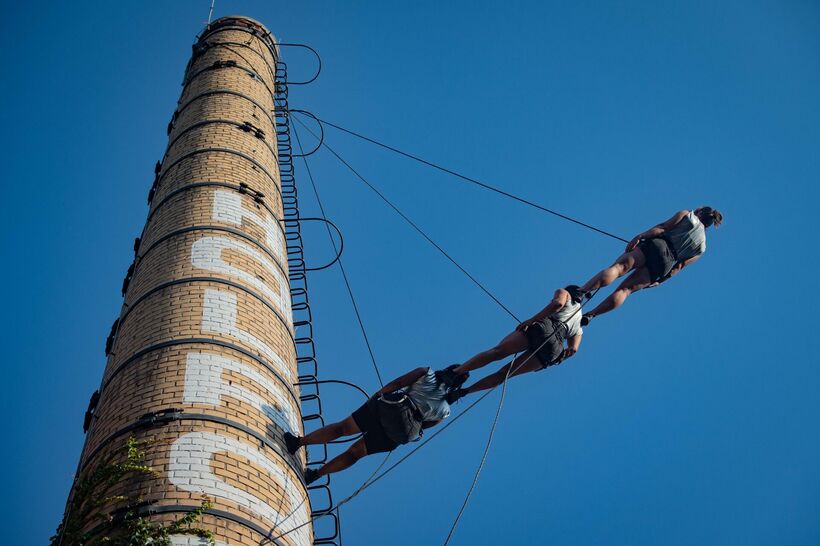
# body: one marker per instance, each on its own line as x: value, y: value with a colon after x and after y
x: 189, y: 469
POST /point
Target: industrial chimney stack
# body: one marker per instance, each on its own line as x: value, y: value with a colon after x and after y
x: 202, y: 361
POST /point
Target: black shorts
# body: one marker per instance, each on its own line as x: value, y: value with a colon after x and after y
x: 367, y: 419
x: 659, y: 258
x: 549, y: 334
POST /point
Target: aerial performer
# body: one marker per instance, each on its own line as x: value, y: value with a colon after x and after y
x: 653, y: 257
x: 540, y: 340
x: 394, y: 415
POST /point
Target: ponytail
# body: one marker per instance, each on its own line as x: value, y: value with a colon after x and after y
x: 710, y: 216
x: 717, y: 217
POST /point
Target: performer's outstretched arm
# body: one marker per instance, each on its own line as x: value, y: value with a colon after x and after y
x: 400, y: 382
x: 657, y: 230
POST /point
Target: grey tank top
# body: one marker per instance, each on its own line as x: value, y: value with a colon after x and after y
x: 687, y: 238
x: 570, y: 314
x: 430, y: 397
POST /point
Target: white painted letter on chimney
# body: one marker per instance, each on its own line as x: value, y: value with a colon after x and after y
x: 219, y: 317
x: 206, y: 253
x: 228, y: 209
x: 189, y: 469
x: 204, y: 385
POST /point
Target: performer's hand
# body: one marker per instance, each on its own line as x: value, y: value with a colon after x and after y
x: 523, y: 326
x: 632, y: 244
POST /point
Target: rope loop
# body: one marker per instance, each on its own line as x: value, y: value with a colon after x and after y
x: 318, y: 59
x: 338, y: 250
x: 321, y: 138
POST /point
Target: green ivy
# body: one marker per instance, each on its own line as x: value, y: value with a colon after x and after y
x: 140, y: 532
x: 91, y: 502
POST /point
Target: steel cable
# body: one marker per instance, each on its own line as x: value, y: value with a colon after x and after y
x: 413, y: 224
x: 471, y: 180
x: 341, y: 264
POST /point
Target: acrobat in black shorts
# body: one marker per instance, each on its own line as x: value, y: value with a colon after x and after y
x: 367, y: 419
x: 548, y: 335
x: 659, y: 258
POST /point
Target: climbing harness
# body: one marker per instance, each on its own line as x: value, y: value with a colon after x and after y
x: 398, y: 416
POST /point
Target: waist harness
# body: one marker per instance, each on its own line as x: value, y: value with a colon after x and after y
x: 561, y: 329
x: 671, y: 247
x: 551, y: 328
x: 546, y: 337
x: 399, y: 417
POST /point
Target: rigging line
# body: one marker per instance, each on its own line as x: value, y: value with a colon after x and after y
x: 334, y: 508
x: 370, y: 481
x: 483, y: 455
x: 510, y: 371
x: 413, y: 225
x: 451, y: 421
x: 366, y: 482
x: 472, y: 180
x: 341, y: 265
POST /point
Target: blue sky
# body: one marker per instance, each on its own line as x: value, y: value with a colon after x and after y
x: 689, y: 417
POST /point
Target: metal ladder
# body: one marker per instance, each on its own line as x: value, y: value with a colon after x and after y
x: 320, y: 495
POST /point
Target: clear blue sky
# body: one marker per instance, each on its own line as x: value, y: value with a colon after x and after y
x: 689, y: 417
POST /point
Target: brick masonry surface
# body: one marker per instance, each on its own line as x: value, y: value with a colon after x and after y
x: 206, y: 331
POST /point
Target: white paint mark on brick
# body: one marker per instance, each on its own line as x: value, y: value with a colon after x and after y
x: 203, y: 446
x: 228, y: 209
x: 204, y: 385
x: 219, y: 317
x: 206, y: 253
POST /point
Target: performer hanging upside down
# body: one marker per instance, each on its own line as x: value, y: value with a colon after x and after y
x: 540, y: 340
x: 395, y: 415
x: 654, y: 256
